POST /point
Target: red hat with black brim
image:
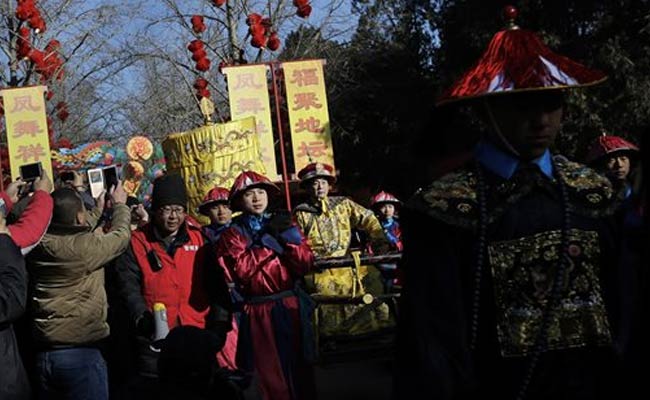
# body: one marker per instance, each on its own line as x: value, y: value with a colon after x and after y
x: 249, y: 180
x: 383, y: 198
x: 216, y: 195
x: 607, y: 145
x: 517, y: 60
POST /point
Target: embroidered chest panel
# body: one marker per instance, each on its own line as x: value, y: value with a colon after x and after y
x: 523, y: 271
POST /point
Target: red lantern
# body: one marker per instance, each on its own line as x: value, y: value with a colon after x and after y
x: 195, y: 45
x: 25, y: 10
x: 199, y: 54
x: 218, y: 3
x: 259, y: 41
x: 36, y: 56
x: 257, y: 30
x: 274, y: 42
x: 203, y: 64
x: 304, y: 11
x: 200, y: 83
x: 201, y: 93
x: 253, y: 19
x: 222, y: 64
x: 197, y: 24
x: 300, y: 3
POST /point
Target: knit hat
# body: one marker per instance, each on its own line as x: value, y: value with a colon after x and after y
x: 168, y: 190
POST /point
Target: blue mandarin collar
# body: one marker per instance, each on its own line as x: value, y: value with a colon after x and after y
x: 505, y: 165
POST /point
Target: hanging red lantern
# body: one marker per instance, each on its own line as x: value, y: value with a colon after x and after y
x: 274, y: 42
x: 259, y: 41
x: 253, y: 19
x: 304, y: 11
x: 203, y: 64
x: 198, y: 26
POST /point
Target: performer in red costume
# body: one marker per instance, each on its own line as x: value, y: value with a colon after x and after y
x: 266, y: 255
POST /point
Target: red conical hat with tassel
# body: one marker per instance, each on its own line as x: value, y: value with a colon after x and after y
x: 517, y: 60
x: 215, y: 195
x: 382, y: 198
x: 248, y: 180
x: 605, y: 144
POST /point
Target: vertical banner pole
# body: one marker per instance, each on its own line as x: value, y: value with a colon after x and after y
x: 278, y: 114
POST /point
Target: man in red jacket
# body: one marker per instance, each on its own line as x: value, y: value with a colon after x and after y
x: 32, y: 223
x: 168, y: 262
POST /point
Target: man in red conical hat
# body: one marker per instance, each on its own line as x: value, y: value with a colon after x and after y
x: 215, y: 206
x: 507, y: 290
x: 266, y: 255
x: 614, y: 157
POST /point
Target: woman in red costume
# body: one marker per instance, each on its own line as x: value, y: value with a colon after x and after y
x: 267, y: 254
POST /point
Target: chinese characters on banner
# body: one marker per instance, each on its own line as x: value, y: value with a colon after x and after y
x: 27, y: 136
x: 308, y: 113
x: 249, y: 96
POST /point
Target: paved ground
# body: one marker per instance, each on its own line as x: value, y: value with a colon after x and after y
x: 371, y: 380
x: 353, y: 380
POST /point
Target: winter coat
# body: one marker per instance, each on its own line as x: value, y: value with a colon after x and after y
x: 13, y: 298
x: 68, y: 299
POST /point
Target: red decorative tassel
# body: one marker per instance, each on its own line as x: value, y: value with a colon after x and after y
x: 516, y: 60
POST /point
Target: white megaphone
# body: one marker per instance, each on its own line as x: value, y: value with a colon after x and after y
x: 160, y: 324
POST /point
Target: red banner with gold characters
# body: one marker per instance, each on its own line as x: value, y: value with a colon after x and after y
x: 308, y: 113
x: 27, y: 136
x: 248, y: 94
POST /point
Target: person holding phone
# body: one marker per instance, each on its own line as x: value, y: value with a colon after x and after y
x: 68, y: 302
x: 31, y: 213
x: 75, y: 180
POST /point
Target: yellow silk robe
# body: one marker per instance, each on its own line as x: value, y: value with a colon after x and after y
x: 328, y: 229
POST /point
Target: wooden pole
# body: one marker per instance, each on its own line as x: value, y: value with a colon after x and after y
x: 278, y: 117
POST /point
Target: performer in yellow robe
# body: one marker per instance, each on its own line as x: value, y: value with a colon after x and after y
x: 327, y: 223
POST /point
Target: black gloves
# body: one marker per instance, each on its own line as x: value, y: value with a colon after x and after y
x: 145, y: 325
x: 280, y: 222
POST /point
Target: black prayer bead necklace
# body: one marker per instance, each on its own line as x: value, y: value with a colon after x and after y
x: 558, y: 281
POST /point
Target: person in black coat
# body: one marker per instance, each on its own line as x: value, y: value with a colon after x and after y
x: 13, y: 298
x: 514, y: 287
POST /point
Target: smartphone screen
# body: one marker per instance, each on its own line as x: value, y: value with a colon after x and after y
x: 67, y: 176
x: 110, y: 177
x: 29, y: 172
x: 96, y: 181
